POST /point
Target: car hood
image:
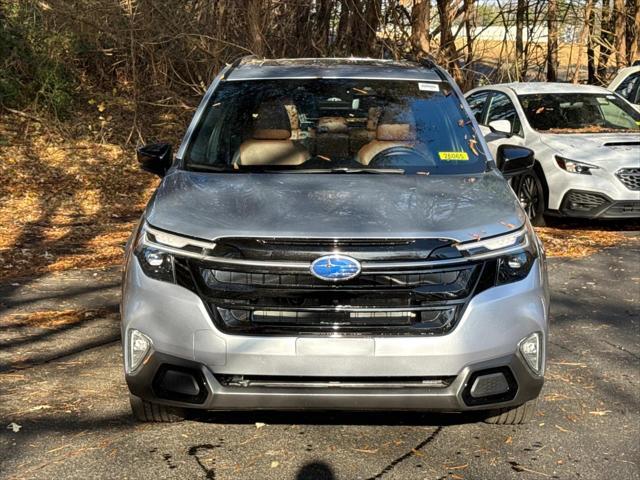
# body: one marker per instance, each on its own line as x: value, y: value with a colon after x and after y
x: 209, y: 205
x: 619, y: 148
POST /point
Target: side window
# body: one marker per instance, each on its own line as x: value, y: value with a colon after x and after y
x: 501, y: 108
x: 630, y: 88
x: 476, y: 102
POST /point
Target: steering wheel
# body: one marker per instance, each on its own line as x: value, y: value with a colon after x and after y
x: 400, y: 156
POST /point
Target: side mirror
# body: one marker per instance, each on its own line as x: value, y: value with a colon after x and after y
x: 155, y: 158
x: 513, y: 160
x: 501, y: 126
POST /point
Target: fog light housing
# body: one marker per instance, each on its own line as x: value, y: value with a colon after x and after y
x: 138, y: 348
x: 531, y: 350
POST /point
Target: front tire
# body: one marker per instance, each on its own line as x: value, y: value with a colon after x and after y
x: 514, y: 415
x: 144, y: 411
x: 530, y: 193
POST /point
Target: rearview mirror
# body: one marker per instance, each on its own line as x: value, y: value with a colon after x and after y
x: 155, y: 158
x: 513, y: 160
x: 501, y: 126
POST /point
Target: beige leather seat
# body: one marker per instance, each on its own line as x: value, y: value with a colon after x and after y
x: 396, y: 128
x: 358, y: 138
x: 271, y: 143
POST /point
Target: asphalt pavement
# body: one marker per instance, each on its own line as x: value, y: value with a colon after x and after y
x: 62, y: 390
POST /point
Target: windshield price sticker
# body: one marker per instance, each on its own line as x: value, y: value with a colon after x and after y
x: 455, y: 156
x: 428, y: 87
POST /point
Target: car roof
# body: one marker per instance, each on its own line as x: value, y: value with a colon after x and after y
x: 524, y: 88
x: 251, y: 68
x: 628, y: 70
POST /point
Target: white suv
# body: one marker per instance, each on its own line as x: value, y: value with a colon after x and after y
x: 586, y: 142
x: 627, y: 85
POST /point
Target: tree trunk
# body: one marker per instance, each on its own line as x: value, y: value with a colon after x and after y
x: 552, y: 42
x: 344, y: 25
x: 606, y: 40
x: 322, y: 26
x: 469, y: 26
x: 372, y: 14
x: 420, y: 21
x: 633, y: 30
x: 447, y: 41
x: 591, y: 55
x: 254, y: 27
x: 585, y: 39
x: 619, y: 31
x: 520, y: 13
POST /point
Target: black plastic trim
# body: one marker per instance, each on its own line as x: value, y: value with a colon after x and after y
x: 167, y: 394
x: 502, y: 397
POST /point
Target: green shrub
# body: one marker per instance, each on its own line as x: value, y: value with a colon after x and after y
x: 36, y: 62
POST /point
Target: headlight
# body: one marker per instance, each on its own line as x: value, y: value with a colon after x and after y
x: 155, y: 263
x: 514, y: 252
x: 573, y: 166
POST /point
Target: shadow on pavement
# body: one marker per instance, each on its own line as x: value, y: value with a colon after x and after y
x: 279, y: 417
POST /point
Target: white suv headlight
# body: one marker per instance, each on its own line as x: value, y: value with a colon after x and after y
x: 573, y: 166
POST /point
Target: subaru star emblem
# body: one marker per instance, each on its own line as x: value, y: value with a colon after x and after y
x: 335, y: 268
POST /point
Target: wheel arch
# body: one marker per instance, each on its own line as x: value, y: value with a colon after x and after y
x: 537, y: 168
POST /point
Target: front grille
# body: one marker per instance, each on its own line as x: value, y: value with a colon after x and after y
x: 224, y: 278
x: 394, y: 294
x: 630, y: 177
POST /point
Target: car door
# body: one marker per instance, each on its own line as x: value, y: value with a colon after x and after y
x: 500, y: 107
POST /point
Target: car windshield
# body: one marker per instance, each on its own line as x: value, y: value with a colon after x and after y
x: 579, y: 113
x: 335, y: 126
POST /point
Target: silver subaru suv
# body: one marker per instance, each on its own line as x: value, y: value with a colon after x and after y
x: 334, y: 234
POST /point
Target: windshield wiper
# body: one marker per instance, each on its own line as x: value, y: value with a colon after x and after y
x: 201, y: 167
x: 399, y: 171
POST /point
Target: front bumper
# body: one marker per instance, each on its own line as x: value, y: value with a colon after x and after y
x: 602, y: 194
x: 452, y: 398
x: 588, y: 204
x: 486, y: 337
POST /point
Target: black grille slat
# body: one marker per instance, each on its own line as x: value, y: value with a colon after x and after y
x: 305, y: 280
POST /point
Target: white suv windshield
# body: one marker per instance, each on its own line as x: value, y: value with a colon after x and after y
x: 341, y: 125
x: 579, y: 113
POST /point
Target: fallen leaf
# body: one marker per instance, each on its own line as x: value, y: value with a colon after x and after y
x: 600, y: 413
x: 275, y: 464
x: 364, y: 450
x: 14, y: 427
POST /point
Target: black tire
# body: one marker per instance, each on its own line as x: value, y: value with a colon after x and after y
x: 529, y: 190
x: 514, y: 415
x: 144, y: 411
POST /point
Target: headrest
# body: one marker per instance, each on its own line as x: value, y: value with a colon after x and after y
x: 332, y: 125
x: 373, y: 117
x: 272, y: 122
x: 396, y: 124
x: 395, y: 132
